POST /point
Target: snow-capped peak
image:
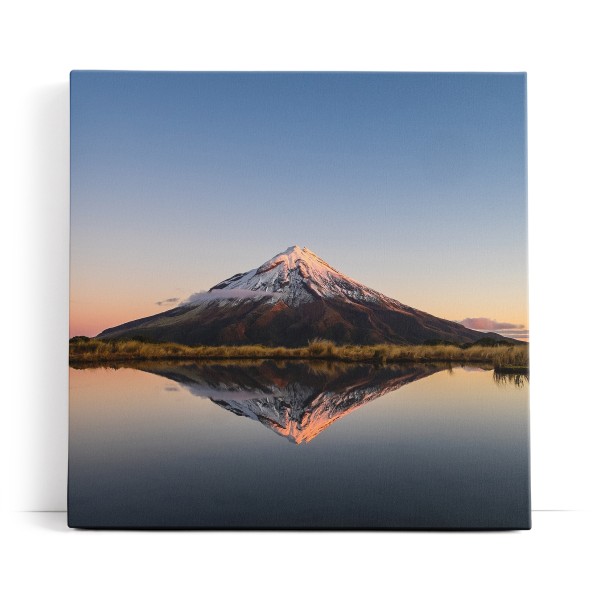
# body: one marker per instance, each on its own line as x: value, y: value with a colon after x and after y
x: 295, y: 256
x: 296, y: 276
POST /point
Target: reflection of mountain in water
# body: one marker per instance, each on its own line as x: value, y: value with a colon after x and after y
x: 297, y: 400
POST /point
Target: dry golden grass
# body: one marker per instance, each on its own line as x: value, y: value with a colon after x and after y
x: 501, y: 357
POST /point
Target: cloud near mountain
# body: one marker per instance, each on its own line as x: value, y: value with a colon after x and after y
x: 167, y: 302
x: 517, y: 334
x: 211, y: 295
x: 488, y: 324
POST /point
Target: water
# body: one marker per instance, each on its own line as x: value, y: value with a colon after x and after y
x: 297, y: 445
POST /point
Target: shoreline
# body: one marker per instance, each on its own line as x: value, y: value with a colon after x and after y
x: 504, y: 359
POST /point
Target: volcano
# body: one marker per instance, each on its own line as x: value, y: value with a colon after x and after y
x: 289, y: 300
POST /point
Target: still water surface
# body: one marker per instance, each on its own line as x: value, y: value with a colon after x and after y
x: 294, y: 445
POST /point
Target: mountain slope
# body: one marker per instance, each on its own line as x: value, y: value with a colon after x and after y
x: 293, y: 298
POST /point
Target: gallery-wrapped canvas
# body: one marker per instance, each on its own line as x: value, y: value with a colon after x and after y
x: 298, y: 301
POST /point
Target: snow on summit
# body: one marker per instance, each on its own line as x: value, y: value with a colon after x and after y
x: 296, y: 276
x: 294, y: 255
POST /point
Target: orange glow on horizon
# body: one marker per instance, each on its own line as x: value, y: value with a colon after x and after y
x: 92, y: 320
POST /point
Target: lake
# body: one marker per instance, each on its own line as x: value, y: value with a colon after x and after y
x: 298, y: 445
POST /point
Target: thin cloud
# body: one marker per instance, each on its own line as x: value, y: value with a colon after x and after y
x: 200, y: 297
x: 168, y: 302
x: 487, y: 324
x: 518, y: 334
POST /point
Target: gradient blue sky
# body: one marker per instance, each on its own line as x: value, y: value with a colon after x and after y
x: 414, y: 184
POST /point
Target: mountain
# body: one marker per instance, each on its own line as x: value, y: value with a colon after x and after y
x: 297, y: 400
x: 288, y: 301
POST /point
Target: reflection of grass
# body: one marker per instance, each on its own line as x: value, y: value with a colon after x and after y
x: 504, y: 358
x: 516, y: 379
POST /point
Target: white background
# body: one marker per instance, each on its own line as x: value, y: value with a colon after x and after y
x: 556, y: 43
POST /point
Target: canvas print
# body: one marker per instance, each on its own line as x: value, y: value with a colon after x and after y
x: 298, y: 301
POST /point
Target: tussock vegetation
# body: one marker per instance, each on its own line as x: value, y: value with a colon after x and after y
x: 507, y: 358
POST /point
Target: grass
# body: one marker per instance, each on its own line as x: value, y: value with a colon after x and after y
x: 504, y: 358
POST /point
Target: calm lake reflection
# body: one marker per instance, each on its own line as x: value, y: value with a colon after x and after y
x: 297, y: 444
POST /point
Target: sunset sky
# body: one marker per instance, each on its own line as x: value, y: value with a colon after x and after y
x: 413, y: 184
